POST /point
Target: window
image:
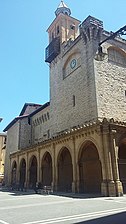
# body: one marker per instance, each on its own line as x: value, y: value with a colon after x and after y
x: 42, y: 118
x: 52, y: 36
x: 48, y: 115
x: 57, y: 29
x: 117, y: 56
x: 72, y: 27
x: 45, y: 117
x: 48, y: 133
x: 73, y: 100
x: 5, y: 140
x: 37, y: 121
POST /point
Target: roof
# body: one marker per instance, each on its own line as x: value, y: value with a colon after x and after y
x: 63, y: 8
x: 39, y: 109
x: 62, y: 5
x: 3, y: 134
x: 26, y: 105
x: 26, y: 115
x: 14, y: 121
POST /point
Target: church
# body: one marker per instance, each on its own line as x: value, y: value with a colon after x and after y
x: 76, y: 142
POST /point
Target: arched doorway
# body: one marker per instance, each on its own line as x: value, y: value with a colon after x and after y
x: 22, y: 173
x: 90, y: 171
x: 47, y: 170
x: 122, y: 164
x: 14, y: 174
x: 65, y: 171
x: 33, y: 172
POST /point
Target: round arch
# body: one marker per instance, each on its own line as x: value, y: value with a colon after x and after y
x: 85, y: 142
x: 76, y: 52
x: 22, y: 173
x: 122, y: 163
x: 33, y: 172
x: 117, y: 55
x: 13, y: 173
x: 117, y: 49
x: 65, y: 170
x: 90, y: 169
x: 46, y: 166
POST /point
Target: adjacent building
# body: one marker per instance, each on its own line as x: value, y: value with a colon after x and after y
x: 77, y: 141
x: 2, y: 154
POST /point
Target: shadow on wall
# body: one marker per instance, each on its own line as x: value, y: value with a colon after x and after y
x: 119, y: 218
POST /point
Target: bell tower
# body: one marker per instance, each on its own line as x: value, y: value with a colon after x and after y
x: 63, y: 28
x: 63, y: 33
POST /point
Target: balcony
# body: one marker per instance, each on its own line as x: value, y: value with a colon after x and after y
x: 52, y: 50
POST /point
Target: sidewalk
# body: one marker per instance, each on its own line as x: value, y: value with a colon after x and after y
x: 62, y: 194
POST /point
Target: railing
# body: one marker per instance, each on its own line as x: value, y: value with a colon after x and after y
x: 52, y: 50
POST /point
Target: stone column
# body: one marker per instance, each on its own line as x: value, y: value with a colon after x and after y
x: 39, y: 166
x: 78, y: 180
x: 8, y: 181
x: 27, y: 172
x: 18, y: 171
x: 53, y: 166
x: 74, y: 183
x: 108, y: 185
x: 114, y: 150
x: 56, y: 177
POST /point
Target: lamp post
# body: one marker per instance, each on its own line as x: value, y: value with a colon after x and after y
x: 121, y: 31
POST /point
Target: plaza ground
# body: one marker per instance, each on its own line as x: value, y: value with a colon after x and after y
x: 30, y: 208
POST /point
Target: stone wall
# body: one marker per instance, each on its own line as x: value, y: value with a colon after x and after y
x: 79, y: 83
x: 12, y: 146
x: 2, y: 154
x: 110, y: 79
x: 25, y: 133
x: 41, y: 126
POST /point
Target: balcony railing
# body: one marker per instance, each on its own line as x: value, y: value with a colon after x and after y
x: 52, y: 50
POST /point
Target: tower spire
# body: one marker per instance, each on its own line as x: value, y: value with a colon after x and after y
x: 63, y: 8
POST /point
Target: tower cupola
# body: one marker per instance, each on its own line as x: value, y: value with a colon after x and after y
x: 62, y: 8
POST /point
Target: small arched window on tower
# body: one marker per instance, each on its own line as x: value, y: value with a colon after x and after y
x: 72, y: 26
x: 58, y: 30
x: 52, y: 35
x: 117, y: 56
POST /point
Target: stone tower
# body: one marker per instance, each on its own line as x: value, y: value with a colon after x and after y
x: 72, y: 83
x: 83, y: 88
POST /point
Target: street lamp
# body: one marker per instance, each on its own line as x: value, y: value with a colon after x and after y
x: 121, y: 31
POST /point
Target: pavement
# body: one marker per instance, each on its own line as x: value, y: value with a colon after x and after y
x: 18, y: 207
x: 63, y: 194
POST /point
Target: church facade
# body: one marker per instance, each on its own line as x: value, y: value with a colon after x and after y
x: 77, y: 141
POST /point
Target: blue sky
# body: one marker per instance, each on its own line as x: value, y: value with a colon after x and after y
x: 24, y: 76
